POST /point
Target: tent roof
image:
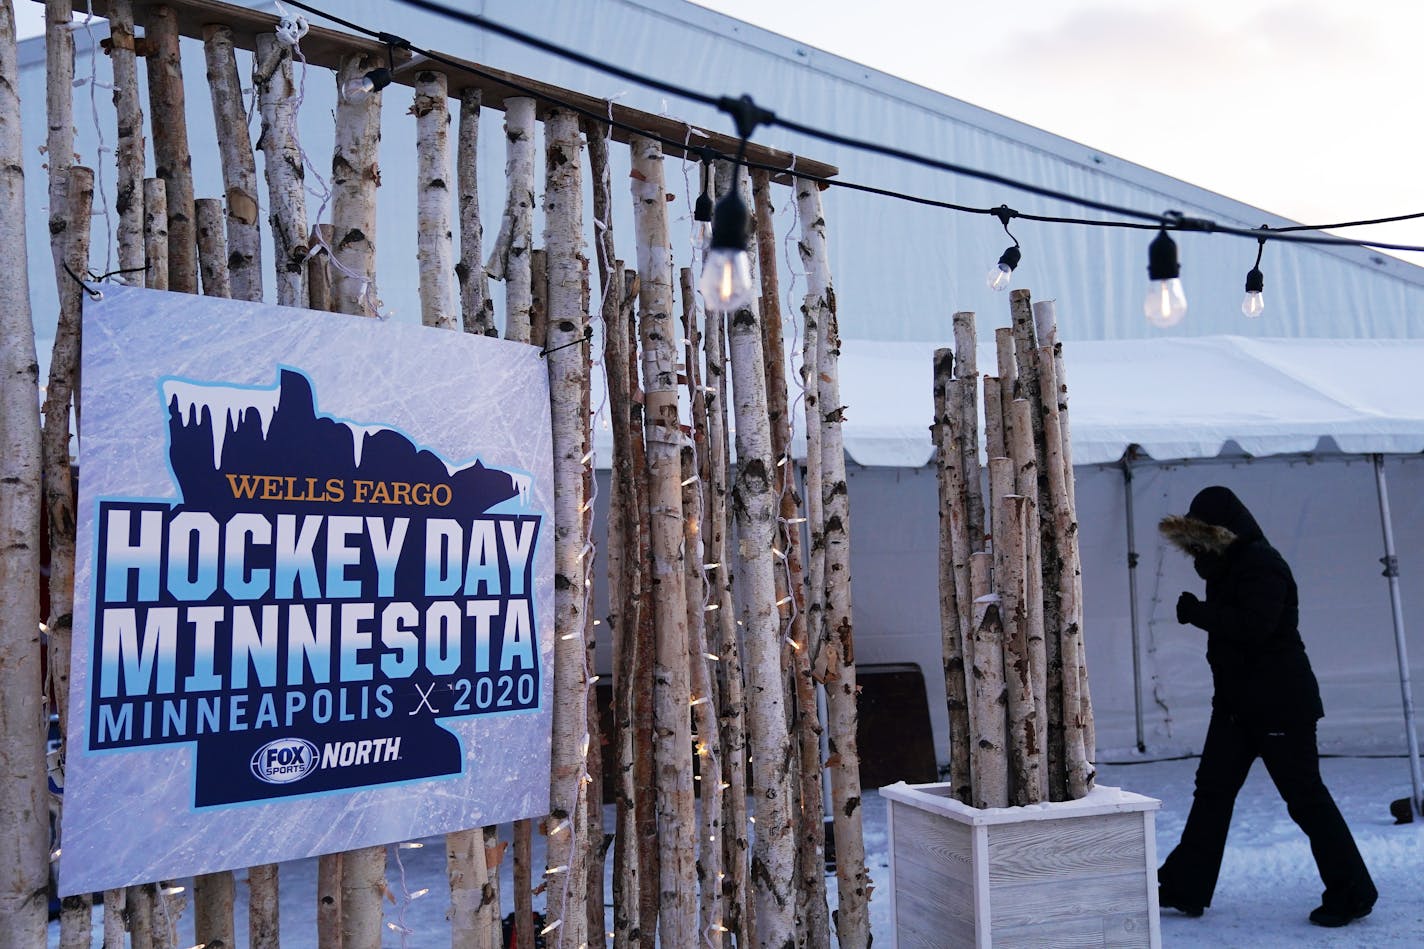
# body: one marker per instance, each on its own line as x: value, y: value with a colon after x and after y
x: 1174, y: 398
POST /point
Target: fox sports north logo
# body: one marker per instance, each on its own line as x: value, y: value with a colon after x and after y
x: 284, y: 760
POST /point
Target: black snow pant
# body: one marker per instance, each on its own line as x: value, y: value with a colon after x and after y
x: 1188, y: 876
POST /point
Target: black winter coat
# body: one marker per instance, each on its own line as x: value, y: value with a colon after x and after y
x: 1259, y: 668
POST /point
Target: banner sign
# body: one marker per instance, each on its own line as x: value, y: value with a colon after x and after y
x: 313, y: 592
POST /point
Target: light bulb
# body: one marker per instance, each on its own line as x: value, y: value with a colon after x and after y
x: 359, y: 89
x: 1253, y: 303
x: 1165, y: 304
x: 701, y: 235
x: 726, y: 282
x: 999, y: 277
x: 1003, y: 271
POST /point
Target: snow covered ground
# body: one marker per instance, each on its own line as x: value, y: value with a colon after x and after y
x: 1268, y: 880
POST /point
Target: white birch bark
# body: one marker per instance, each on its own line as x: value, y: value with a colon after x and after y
x: 994, y: 444
x: 509, y: 258
x: 59, y: 111
x: 990, y: 762
x: 475, y: 304
x: 129, y: 146
x: 966, y: 367
x: 263, y: 916
x: 239, y: 168
x: 677, y: 880
x: 1026, y: 477
x: 1008, y: 381
x: 852, y: 875
x: 155, y: 233
x: 115, y: 909
x: 952, y: 632
x: 355, y: 176
x: 212, y: 909
x: 736, y: 892
x: 282, y: 166
x: 435, y: 250
x: 212, y: 248
x: 72, y: 246
x: 563, y: 236
x: 468, y: 877
x: 24, y: 830
x: 171, y: 159
x: 1025, y: 759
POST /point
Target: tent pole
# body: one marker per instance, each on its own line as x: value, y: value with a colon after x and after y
x: 1391, y: 572
x: 1132, y: 605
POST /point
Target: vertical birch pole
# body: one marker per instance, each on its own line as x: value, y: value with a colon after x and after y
x: 811, y: 828
x: 475, y: 304
x: 990, y: 766
x: 966, y: 368
x: 677, y: 917
x: 213, y: 893
x: 852, y: 876
x: 952, y: 633
x: 509, y: 258
x: 434, y: 241
x: 1025, y: 759
x: 1026, y: 352
x: 77, y: 193
x: 732, y: 712
x: 1026, y: 484
x: 59, y: 111
x: 754, y: 507
x: 282, y: 166
x: 354, y: 179
x: 239, y: 168
x: 155, y: 233
x: 129, y: 147
x: 171, y: 160
x: 24, y: 830
x: 563, y: 236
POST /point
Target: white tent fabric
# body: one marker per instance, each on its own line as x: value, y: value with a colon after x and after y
x: 1174, y: 398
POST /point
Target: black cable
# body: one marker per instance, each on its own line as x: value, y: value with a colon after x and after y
x: 743, y: 107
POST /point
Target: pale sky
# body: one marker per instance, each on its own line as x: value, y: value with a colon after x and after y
x: 1306, y: 108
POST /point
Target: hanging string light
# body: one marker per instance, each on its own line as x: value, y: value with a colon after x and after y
x: 360, y: 88
x: 702, y: 209
x: 726, y: 282
x: 1253, y: 303
x: 1003, y: 272
x: 1165, y: 304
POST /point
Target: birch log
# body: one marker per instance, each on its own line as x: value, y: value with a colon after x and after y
x: 239, y: 168
x: 212, y: 248
x: 1026, y: 484
x: 171, y: 160
x: 155, y: 233
x: 1026, y: 352
x: 434, y: 241
x: 1008, y: 381
x: 563, y: 236
x: 318, y: 268
x: 115, y: 911
x: 468, y: 877
x: 994, y: 444
x: 732, y: 711
x: 129, y: 146
x: 509, y: 258
x: 1025, y: 760
x: 524, y: 928
x: 966, y: 368
x: 990, y: 765
x: 354, y: 179
x: 24, y: 830
x: 142, y: 902
x: 263, y: 915
x: 475, y: 305
x: 1078, y: 772
x: 677, y: 918
x: 952, y: 634
x: 282, y: 166
x: 72, y: 243
x: 355, y: 176
x: 59, y: 112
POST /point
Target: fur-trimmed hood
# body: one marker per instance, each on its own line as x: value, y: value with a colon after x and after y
x: 1194, y: 537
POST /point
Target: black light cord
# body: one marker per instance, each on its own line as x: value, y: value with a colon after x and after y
x: 744, y: 110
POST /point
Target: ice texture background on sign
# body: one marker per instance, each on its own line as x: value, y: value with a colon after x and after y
x: 129, y: 815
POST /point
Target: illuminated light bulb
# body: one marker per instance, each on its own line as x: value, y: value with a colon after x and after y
x: 1253, y: 303
x: 1003, y: 272
x: 1165, y: 303
x: 363, y: 87
x: 726, y: 282
x: 419, y: 893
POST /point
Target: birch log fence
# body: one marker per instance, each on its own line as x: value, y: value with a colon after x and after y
x: 723, y: 624
x: 1011, y: 617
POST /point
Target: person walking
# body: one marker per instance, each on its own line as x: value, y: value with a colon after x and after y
x: 1265, y: 704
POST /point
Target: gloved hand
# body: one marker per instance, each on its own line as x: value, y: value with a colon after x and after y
x: 1188, y: 608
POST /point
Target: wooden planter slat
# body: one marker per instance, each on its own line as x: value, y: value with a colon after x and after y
x: 1072, y: 873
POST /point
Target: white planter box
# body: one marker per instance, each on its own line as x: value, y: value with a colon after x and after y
x: 1072, y: 873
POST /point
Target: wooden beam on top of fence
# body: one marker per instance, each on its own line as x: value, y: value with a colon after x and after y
x: 325, y: 47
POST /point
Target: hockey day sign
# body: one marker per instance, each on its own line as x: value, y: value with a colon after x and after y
x: 313, y: 592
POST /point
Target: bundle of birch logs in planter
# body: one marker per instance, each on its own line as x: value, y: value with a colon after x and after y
x: 1021, y: 720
